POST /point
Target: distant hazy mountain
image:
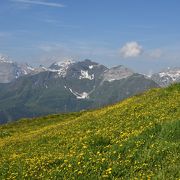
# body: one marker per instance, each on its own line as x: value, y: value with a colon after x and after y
x: 10, y: 70
x: 167, y: 77
x: 68, y: 86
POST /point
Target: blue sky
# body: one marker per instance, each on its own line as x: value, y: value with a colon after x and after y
x: 143, y: 35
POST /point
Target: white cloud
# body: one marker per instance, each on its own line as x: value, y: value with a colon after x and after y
x: 131, y: 49
x: 40, y: 2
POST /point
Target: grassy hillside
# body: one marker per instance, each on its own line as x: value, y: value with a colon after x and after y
x: 138, y: 138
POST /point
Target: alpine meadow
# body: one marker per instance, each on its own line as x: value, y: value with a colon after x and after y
x: 138, y: 138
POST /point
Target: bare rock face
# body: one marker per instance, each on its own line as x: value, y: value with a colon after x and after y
x: 117, y: 73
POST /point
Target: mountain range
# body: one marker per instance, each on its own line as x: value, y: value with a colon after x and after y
x: 167, y: 76
x: 10, y: 70
x: 69, y: 86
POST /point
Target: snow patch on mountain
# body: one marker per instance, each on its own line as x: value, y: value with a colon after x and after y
x: 64, y: 64
x: 17, y: 74
x: 91, y: 67
x: 26, y: 69
x: 5, y: 59
x: 30, y: 68
x: 110, y: 80
x: 61, y: 67
x: 86, y: 75
x: 173, y: 74
x: 167, y: 77
x: 24, y: 72
x: 83, y: 95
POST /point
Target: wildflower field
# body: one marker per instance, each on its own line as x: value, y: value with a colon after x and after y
x: 138, y: 138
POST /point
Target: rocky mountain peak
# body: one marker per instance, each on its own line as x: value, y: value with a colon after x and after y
x: 61, y: 67
x: 117, y: 73
x: 85, y: 69
x: 61, y: 64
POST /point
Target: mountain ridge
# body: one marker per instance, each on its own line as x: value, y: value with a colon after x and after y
x: 163, y: 78
x: 68, y: 87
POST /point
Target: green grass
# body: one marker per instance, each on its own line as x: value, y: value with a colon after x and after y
x: 138, y: 138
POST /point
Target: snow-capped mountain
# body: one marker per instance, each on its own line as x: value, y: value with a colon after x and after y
x: 79, y: 70
x: 61, y: 67
x: 10, y: 70
x: 67, y: 86
x: 167, y: 77
x: 80, y: 77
